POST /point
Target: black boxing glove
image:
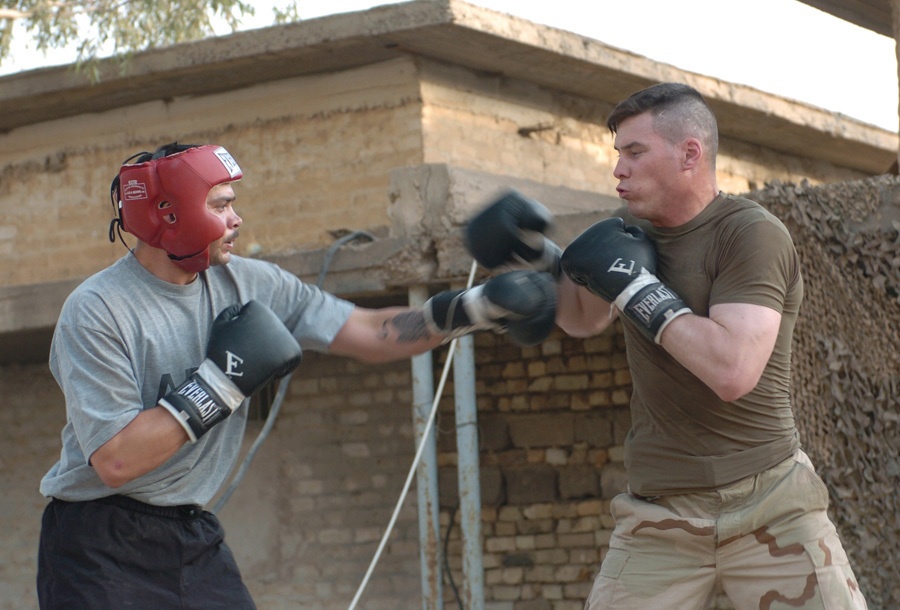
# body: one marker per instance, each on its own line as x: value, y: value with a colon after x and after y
x: 521, y: 303
x: 510, y: 233
x: 248, y: 347
x: 618, y: 263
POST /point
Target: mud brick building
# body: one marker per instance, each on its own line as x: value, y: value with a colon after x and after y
x: 395, y: 123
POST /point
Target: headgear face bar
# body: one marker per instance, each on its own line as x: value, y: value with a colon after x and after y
x: 161, y: 200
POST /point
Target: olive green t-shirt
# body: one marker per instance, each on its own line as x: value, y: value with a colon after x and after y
x: 683, y: 437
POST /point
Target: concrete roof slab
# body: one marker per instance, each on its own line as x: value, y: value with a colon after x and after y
x: 445, y: 30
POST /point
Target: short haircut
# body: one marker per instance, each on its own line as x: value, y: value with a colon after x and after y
x: 678, y: 110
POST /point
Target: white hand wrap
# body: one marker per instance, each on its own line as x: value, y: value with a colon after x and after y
x: 650, y: 304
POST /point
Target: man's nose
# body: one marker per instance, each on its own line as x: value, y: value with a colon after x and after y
x: 620, y: 171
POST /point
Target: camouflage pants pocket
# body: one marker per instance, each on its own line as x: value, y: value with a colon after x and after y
x: 836, y: 581
x: 604, y: 589
x: 656, y: 559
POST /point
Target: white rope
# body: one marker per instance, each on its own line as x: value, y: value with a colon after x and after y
x: 412, y: 471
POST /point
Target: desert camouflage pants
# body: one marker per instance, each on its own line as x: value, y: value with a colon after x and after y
x: 765, y: 540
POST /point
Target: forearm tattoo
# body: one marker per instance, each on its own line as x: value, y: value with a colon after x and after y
x: 410, y: 327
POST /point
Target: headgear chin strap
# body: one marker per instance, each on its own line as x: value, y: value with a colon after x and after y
x: 162, y: 200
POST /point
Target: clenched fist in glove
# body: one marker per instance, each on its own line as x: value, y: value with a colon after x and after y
x: 521, y: 303
x: 618, y: 263
x: 510, y: 233
x: 248, y: 346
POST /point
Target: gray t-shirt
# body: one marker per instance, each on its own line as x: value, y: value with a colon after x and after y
x: 125, y: 338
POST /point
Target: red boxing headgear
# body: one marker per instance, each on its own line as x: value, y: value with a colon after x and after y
x: 162, y: 200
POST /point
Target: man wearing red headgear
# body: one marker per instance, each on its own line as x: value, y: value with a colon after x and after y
x: 163, y: 201
x: 156, y: 355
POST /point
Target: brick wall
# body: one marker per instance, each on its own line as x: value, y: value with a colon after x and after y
x: 552, y: 419
x: 337, y: 462
x: 308, y: 518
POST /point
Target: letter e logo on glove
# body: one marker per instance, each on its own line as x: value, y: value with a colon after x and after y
x: 619, y: 266
x: 234, y: 361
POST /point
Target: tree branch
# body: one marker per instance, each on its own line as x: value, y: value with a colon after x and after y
x: 12, y: 14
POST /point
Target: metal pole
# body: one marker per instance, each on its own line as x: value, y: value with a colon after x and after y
x: 469, y: 480
x: 426, y: 472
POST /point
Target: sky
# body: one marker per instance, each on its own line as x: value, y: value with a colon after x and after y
x: 779, y: 46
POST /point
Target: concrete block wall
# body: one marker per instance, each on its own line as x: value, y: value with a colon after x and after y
x: 496, y: 124
x: 316, y: 151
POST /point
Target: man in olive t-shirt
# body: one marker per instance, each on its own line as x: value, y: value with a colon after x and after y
x: 721, y: 497
x: 708, y: 286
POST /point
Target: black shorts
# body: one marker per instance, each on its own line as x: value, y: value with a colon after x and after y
x: 116, y: 553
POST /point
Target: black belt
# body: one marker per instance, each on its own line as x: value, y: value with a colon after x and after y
x: 185, y: 511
